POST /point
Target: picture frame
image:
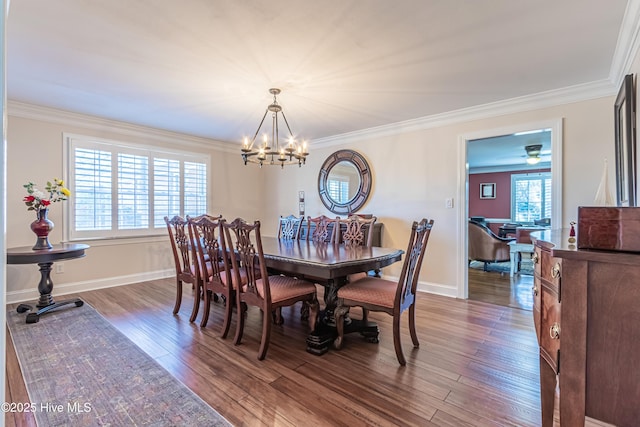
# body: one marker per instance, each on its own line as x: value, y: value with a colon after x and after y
x: 625, y: 144
x: 301, y: 208
x: 488, y: 190
x: 301, y: 196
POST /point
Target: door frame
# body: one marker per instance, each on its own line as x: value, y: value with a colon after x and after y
x: 463, y: 185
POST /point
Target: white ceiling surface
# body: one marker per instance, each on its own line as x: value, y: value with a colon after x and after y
x: 507, y: 152
x: 204, y: 67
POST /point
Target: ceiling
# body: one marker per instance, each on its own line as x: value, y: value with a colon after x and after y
x: 204, y: 67
x: 508, y: 152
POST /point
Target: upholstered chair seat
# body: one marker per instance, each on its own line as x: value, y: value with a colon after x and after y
x: 284, y: 288
x: 371, y: 290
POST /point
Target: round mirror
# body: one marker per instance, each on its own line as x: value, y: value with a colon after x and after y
x: 344, y: 177
x: 344, y: 182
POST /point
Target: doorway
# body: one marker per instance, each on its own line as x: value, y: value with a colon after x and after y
x: 488, y: 152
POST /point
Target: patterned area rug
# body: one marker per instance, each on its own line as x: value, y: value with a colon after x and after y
x: 81, y: 371
x: 526, y: 266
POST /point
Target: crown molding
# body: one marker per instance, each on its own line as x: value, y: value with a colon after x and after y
x: 628, y: 43
x: 52, y: 115
x: 547, y: 99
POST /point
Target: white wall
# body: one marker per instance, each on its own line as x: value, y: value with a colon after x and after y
x: 34, y: 153
x: 413, y: 173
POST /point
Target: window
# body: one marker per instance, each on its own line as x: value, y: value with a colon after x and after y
x: 338, y: 188
x: 530, y: 196
x: 125, y: 190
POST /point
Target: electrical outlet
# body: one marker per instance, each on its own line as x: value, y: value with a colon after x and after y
x: 449, y: 203
x: 59, y: 268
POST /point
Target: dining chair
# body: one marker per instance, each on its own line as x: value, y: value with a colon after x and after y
x: 356, y: 230
x: 211, y: 266
x: 377, y: 294
x: 183, y: 259
x: 322, y: 229
x: 244, y: 244
x: 289, y: 227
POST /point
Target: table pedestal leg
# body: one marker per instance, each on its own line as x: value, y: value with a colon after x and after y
x: 319, y: 341
x: 46, y: 285
x: 45, y: 303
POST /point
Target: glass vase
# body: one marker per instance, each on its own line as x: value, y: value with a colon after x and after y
x: 42, y: 226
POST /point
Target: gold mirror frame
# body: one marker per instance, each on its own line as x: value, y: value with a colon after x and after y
x: 364, y: 187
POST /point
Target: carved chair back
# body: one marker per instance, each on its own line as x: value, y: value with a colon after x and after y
x: 408, y: 282
x: 211, y: 265
x: 289, y: 227
x: 322, y: 229
x: 356, y: 230
x: 177, y: 228
x: 244, y: 245
x: 179, y: 236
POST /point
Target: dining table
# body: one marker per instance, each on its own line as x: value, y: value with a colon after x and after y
x: 329, y: 265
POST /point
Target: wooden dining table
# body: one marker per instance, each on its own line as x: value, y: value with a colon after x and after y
x: 329, y: 265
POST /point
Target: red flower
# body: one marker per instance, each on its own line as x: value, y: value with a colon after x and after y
x: 29, y: 199
x: 45, y: 202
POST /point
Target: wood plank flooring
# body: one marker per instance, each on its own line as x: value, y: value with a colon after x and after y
x: 477, y: 364
x: 501, y: 289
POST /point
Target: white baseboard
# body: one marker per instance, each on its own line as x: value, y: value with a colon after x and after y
x: 438, y: 289
x: 72, y: 288
x: 431, y: 288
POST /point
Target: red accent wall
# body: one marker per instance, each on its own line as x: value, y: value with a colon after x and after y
x: 500, y: 207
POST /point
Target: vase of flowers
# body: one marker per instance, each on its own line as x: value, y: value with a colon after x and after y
x: 39, y: 201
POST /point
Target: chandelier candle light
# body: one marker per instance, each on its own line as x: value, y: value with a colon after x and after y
x: 274, y: 153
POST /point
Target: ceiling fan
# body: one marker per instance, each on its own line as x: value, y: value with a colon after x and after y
x: 533, y: 153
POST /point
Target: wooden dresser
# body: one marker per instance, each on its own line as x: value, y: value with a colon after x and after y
x: 587, y: 319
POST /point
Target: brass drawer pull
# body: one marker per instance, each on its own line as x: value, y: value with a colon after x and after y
x: 554, y: 331
x: 535, y: 290
x: 555, y: 270
x: 534, y: 257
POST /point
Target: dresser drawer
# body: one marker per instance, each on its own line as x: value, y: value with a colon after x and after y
x: 550, y: 329
x: 550, y: 269
x: 536, y: 304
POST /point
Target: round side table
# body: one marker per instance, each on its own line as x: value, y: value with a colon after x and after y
x: 45, y: 259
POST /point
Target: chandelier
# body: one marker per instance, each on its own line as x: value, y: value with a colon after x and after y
x: 271, y: 152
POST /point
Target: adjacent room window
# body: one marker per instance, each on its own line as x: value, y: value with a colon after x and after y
x: 530, y: 196
x: 126, y: 190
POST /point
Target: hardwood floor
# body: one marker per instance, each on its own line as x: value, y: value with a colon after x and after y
x: 498, y: 288
x: 477, y: 364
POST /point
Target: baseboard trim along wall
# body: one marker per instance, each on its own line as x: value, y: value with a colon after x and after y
x: 71, y: 288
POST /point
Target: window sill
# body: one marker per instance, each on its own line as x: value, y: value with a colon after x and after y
x: 116, y: 241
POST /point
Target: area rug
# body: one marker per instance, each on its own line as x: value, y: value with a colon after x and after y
x: 80, y: 370
x: 526, y: 266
